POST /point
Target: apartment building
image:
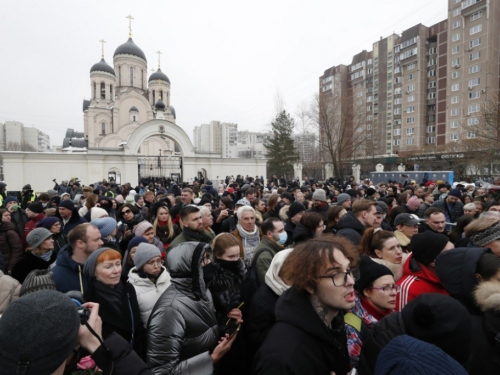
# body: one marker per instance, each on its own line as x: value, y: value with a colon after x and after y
x: 14, y: 136
x: 216, y: 137
x: 421, y: 90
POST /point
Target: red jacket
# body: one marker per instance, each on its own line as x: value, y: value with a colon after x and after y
x: 417, y: 279
x: 30, y: 225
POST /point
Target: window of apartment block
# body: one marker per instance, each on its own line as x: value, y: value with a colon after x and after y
x: 397, y: 91
x: 454, y: 99
x: 474, y: 69
x: 410, y: 141
x: 455, y: 62
x: 455, y: 74
x: 455, y: 87
x: 397, y: 101
x: 471, y: 135
x: 370, y: 61
x: 410, y: 131
x: 397, y: 111
x: 455, y: 37
x: 475, y: 29
x: 411, y: 87
x: 431, y: 73
x: 454, y: 124
x: 474, y: 82
x: 411, y: 66
x: 474, y: 95
x: 368, y: 108
x: 454, y: 112
x: 410, y: 109
x: 455, y: 50
x: 432, y: 51
x: 456, y: 24
x: 410, y: 120
x: 370, y: 70
x: 411, y: 77
x: 431, y: 129
x: 454, y: 137
x: 431, y: 62
x: 473, y: 108
x: 475, y: 42
x: 411, y: 98
x: 431, y: 85
x: 474, y: 55
x: 468, y: 3
x: 397, y: 131
x: 472, y: 121
x: 398, y: 79
x: 456, y: 12
x: 369, y: 99
x: 397, y: 142
x: 368, y: 127
x: 359, y: 94
x: 476, y: 15
x: 431, y: 118
x: 369, y: 118
x: 431, y: 95
x: 431, y: 140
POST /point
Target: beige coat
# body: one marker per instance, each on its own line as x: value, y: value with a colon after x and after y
x: 9, y: 291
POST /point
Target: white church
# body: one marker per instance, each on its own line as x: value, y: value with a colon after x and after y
x: 129, y: 133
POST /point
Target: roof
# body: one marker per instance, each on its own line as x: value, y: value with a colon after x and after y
x: 130, y: 48
x: 102, y: 66
x: 158, y: 75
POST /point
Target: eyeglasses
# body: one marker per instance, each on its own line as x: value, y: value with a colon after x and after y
x: 340, y: 279
x: 126, y: 212
x: 388, y: 288
x: 153, y: 263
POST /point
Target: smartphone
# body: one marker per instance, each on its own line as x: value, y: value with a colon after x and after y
x: 235, y: 331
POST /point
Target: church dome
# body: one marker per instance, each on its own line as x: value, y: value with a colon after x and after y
x: 134, y: 109
x: 102, y: 66
x: 158, y: 75
x: 160, y: 105
x: 172, y: 109
x: 130, y: 48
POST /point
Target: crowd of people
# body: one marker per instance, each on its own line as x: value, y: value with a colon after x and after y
x: 250, y: 277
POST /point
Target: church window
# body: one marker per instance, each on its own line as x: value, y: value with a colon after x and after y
x: 161, y: 95
x: 103, y: 128
x: 154, y: 97
x: 120, y: 75
x: 131, y: 76
x: 103, y: 90
x: 142, y: 78
x: 111, y: 92
x: 134, y: 118
x: 95, y: 90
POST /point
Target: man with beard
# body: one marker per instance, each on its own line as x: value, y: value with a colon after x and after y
x: 192, y: 227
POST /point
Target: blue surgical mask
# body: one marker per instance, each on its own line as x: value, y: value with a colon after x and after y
x: 283, y: 238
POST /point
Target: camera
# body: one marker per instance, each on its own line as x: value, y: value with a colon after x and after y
x: 84, y: 314
x: 54, y: 180
x: 77, y: 298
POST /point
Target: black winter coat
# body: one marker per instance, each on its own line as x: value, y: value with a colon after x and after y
x: 261, y: 318
x: 351, y: 228
x: 11, y: 246
x: 300, y: 343
x: 29, y: 263
x: 19, y: 219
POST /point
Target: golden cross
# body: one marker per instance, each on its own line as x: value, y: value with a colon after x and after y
x: 130, y: 18
x: 159, y: 53
x: 102, y: 41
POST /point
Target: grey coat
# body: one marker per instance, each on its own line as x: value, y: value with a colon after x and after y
x: 182, y: 328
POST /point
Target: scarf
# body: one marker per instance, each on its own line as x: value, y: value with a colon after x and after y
x: 372, y: 310
x: 197, y: 236
x: 250, y: 242
x: 46, y: 256
x: 113, y: 296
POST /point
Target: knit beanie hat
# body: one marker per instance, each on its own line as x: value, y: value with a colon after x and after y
x: 455, y: 193
x: 35, y: 207
x: 370, y: 192
x: 413, y: 202
x: 130, y: 199
x: 91, y: 263
x: 67, y: 204
x: 56, y: 199
x: 320, y: 195
x: 343, y: 198
x: 136, y: 197
x: 384, y: 206
x: 37, y: 236
x: 97, y: 213
x: 135, y: 242
x: 369, y: 272
x: 295, y: 208
x: 486, y: 236
x: 407, y: 355
x: 106, y: 226
x: 144, y: 253
x: 142, y: 227
x: 204, y: 201
x: 10, y: 198
x: 47, y: 223
x: 427, y: 246
x: 440, y: 320
x: 39, y: 331
x: 37, y: 280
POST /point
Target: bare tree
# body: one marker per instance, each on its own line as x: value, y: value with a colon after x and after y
x: 16, y: 146
x: 342, y: 130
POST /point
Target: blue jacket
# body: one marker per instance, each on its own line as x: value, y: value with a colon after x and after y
x: 68, y: 273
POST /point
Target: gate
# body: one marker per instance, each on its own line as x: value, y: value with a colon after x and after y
x: 160, y: 167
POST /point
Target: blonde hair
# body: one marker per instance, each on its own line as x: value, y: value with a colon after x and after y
x: 169, y: 222
x: 480, y: 225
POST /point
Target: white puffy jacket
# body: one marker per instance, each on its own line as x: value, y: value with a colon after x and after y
x: 147, y: 292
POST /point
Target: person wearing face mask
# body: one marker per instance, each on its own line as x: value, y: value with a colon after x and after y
x: 183, y: 333
x: 271, y: 243
x: 18, y: 216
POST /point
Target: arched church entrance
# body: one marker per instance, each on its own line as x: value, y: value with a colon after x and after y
x: 114, y: 175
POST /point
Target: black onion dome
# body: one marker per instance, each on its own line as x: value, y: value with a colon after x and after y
x: 130, y: 48
x: 102, y: 66
x: 158, y: 75
x: 172, y: 109
x: 134, y: 109
x: 160, y: 105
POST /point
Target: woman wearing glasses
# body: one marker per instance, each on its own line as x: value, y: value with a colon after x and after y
x: 130, y: 216
x: 376, y: 293
x: 149, y: 278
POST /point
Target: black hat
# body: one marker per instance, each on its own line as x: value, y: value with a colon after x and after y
x: 370, y: 191
x: 39, y: 331
x: 287, y: 196
x: 295, y: 208
x: 35, y: 207
x: 440, y: 320
x: 406, y: 219
x: 427, y: 246
x: 369, y: 271
x: 204, y: 201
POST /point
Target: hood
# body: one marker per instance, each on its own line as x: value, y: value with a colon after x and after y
x: 349, y: 221
x: 456, y: 269
x: 7, y: 226
x: 487, y: 295
x: 272, y: 279
x: 64, y: 258
x: 76, y: 199
x: 294, y: 308
x: 184, y: 265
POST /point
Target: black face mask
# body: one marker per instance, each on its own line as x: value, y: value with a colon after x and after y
x: 231, y: 265
x: 209, y: 272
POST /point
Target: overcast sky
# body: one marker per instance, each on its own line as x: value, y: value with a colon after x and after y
x: 226, y: 60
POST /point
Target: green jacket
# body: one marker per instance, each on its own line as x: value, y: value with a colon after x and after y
x: 263, y: 261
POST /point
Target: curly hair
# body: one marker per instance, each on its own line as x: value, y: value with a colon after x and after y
x: 305, y: 264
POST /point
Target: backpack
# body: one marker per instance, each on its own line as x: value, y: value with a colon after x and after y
x: 251, y: 282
